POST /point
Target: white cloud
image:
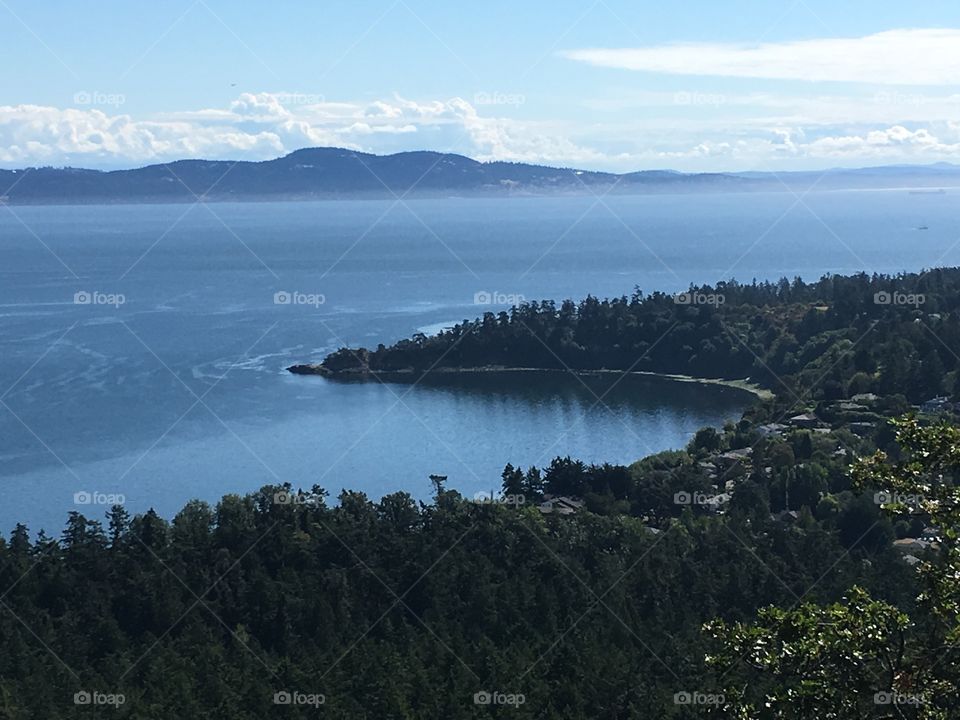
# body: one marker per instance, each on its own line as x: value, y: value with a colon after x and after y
x: 32, y: 134
x: 898, y: 141
x: 898, y: 57
x: 264, y: 125
x: 748, y: 132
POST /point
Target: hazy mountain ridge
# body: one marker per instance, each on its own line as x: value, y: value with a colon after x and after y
x: 317, y: 173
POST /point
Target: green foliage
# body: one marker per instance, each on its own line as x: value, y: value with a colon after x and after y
x: 862, y: 657
x: 396, y: 608
x: 829, y: 339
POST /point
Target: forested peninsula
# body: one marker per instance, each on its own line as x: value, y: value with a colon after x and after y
x: 839, y: 336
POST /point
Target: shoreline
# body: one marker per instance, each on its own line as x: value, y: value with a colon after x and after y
x: 737, y: 384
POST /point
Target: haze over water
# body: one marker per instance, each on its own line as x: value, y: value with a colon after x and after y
x: 181, y: 392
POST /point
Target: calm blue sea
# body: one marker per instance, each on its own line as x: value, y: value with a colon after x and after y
x: 142, y: 350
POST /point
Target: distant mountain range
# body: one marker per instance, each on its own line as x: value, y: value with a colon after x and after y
x: 318, y: 173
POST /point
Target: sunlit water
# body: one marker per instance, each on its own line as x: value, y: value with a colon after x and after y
x: 181, y: 392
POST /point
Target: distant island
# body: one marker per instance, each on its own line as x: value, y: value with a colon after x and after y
x: 333, y: 173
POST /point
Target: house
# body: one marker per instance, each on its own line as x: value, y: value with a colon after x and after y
x: 733, y: 464
x: 715, y: 503
x: 930, y: 534
x: 911, y: 559
x: 863, y: 429
x: 709, y: 469
x: 805, y: 420
x: 740, y: 456
x: 771, y: 430
x: 849, y: 406
x: 864, y: 398
x: 936, y: 405
x: 560, y: 505
x: 910, y: 545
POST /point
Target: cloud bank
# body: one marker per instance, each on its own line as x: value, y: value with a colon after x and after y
x: 894, y: 57
x: 687, y: 130
x: 260, y: 126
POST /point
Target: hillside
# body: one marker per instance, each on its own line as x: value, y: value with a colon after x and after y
x: 324, y: 173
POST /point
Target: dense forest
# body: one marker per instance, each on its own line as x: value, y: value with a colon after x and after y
x: 395, y: 609
x: 840, y: 336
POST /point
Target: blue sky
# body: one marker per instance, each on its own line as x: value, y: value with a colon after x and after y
x: 607, y: 84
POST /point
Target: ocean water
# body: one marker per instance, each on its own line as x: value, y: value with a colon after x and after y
x: 143, y: 347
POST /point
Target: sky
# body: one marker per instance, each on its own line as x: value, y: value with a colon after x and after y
x: 615, y: 85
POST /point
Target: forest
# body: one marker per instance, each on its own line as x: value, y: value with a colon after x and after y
x: 784, y: 336
x: 400, y: 609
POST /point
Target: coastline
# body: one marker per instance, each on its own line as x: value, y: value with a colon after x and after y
x: 743, y: 385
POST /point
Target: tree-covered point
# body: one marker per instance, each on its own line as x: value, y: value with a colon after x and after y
x: 839, y: 336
